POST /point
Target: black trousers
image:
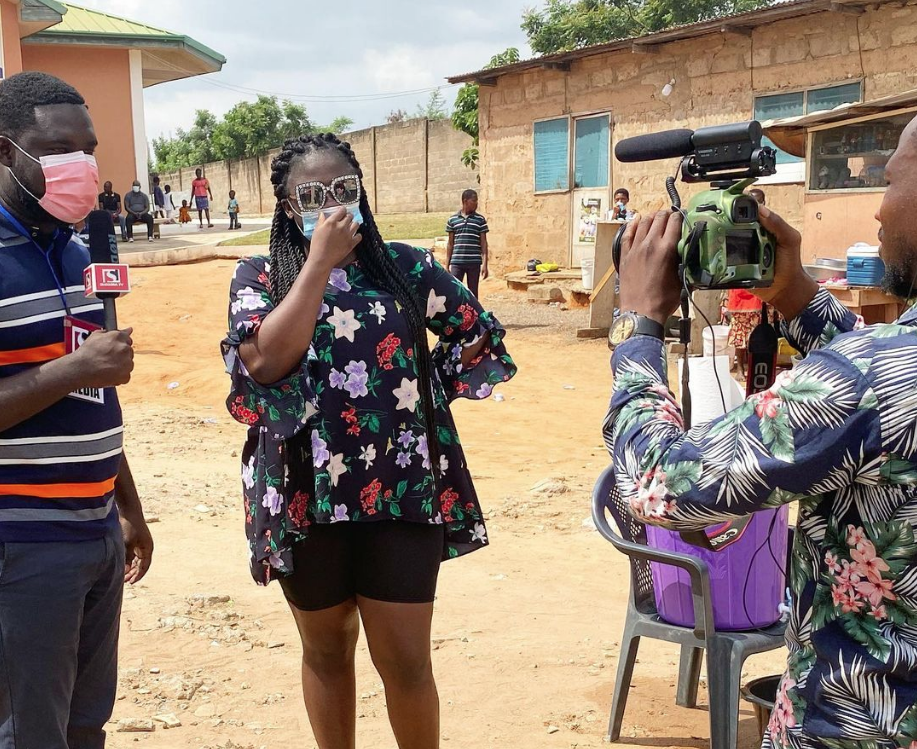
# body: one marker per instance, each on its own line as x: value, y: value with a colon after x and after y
x: 145, y: 218
x: 470, y: 275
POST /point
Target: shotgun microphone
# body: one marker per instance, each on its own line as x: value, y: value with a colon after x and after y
x: 105, y: 278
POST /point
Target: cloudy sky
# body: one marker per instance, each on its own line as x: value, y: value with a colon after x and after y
x: 355, y: 50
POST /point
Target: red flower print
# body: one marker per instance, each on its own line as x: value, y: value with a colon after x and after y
x: 469, y: 316
x: 768, y: 405
x: 387, y: 349
x: 446, y: 501
x: 354, y: 430
x: 461, y: 387
x: 296, y: 510
x: 369, y: 494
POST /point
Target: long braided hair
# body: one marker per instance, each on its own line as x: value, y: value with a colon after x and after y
x: 289, y: 252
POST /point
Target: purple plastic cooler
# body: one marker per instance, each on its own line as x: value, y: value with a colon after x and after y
x: 729, y: 570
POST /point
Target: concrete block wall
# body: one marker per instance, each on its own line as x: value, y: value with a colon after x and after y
x: 409, y: 167
x: 717, y: 79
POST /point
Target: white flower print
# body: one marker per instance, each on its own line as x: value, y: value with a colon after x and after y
x: 345, y: 323
x: 336, y: 468
x: 407, y: 395
x: 435, y: 304
x: 378, y: 310
x: 443, y: 463
x: 368, y: 455
x: 248, y: 474
x: 272, y: 501
x: 249, y: 299
x: 479, y: 533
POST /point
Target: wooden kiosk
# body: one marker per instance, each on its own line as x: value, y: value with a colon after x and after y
x: 846, y: 150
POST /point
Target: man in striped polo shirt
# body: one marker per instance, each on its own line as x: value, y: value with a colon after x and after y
x: 64, y: 483
x: 466, y: 254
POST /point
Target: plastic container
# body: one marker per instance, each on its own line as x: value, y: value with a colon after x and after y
x: 587, y: 265
x: 864, y: 266
x: 715, y: 342
x: 745, y: 569
x: 762, y: 694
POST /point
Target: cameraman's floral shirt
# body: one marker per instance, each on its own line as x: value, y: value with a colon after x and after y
x: 342, y: 439
x: 838, y: 434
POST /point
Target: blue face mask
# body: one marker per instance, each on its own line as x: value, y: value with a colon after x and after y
x: 310, y: 220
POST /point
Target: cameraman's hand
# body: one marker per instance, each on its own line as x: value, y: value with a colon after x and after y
x: 105, y: 359
x: 648, y: 268
x: 793, y: 288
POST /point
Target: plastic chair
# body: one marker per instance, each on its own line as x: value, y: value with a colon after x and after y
x: 726, y: 651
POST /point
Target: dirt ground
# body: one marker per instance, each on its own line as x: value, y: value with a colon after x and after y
x: 526, y: 632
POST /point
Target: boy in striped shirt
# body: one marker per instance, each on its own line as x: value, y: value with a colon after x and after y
x: 466, y: 254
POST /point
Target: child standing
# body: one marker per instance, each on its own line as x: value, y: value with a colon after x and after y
x: 466, y: 254
x: 184, y: 213
x: 169, y: 206
x: 233, y: 211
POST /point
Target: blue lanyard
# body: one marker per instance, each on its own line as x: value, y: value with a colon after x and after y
x: 55, y: 240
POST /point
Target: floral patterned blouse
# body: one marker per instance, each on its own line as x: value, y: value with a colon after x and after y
x: 343, y: 437
x: 838, y: 434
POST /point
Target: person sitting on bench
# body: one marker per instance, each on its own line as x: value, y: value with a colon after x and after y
x: 137, y: 205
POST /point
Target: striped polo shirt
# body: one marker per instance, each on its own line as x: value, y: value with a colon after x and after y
x: 467, y: 231
x: 58, y: 468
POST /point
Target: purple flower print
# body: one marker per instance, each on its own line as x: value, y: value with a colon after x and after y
x: 339, y: 279
x: 273, y: 501
x: 485, y: 390
x: 320, y: 452
x: 337, y: 379
x: 340, y: 514
x: 356, y: 379
x: 403, y: 460
x: 406, y: 439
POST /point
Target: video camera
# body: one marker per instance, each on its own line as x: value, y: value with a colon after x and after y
x: 723, y: 246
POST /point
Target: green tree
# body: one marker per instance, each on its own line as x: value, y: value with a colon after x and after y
x: 465, y: 112
x: 248, y: 129
x: 563, y: 25
x: 434, y: 109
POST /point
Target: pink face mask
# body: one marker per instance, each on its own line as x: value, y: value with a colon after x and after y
x: 71, y: 184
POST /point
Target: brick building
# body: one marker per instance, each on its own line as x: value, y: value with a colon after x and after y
x: 548, y: 126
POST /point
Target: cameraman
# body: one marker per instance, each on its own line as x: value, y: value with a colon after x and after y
x: 839, y: 433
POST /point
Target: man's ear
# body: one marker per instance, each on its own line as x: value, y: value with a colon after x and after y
x: 6, y: 151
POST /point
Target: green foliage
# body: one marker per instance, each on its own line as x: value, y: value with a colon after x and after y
x: 563, y: 25
x: 465, y: 112
x: 250, y: 128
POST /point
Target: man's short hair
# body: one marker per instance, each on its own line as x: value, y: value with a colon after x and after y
x: 23, y: 93
x: 469, y: 195
x: 622, y: 191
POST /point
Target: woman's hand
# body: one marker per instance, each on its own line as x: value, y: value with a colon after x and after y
x: 335, y: 237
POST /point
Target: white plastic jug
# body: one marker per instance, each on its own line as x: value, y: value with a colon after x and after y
x: 716, y: 338
x: 587, y: 265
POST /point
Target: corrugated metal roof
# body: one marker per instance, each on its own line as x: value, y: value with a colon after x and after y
x: 85, y: 21
x: 789, y: 133
x: 85, y: 24
x: 737, y: 22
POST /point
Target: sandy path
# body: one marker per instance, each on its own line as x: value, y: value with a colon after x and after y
x: 526, y: 631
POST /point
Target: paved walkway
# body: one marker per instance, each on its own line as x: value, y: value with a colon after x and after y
x: 176, y: 237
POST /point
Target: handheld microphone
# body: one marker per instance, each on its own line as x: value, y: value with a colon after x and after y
x: 105, y: 278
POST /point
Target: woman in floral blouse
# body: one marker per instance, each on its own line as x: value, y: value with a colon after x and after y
x: 354, y: 479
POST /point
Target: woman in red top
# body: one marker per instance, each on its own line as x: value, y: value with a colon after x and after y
x: 744, y: 310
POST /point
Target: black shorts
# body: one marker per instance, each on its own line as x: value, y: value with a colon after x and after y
x: 388, y: 560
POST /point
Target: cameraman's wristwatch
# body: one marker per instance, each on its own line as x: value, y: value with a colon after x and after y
x: 629, y: 324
